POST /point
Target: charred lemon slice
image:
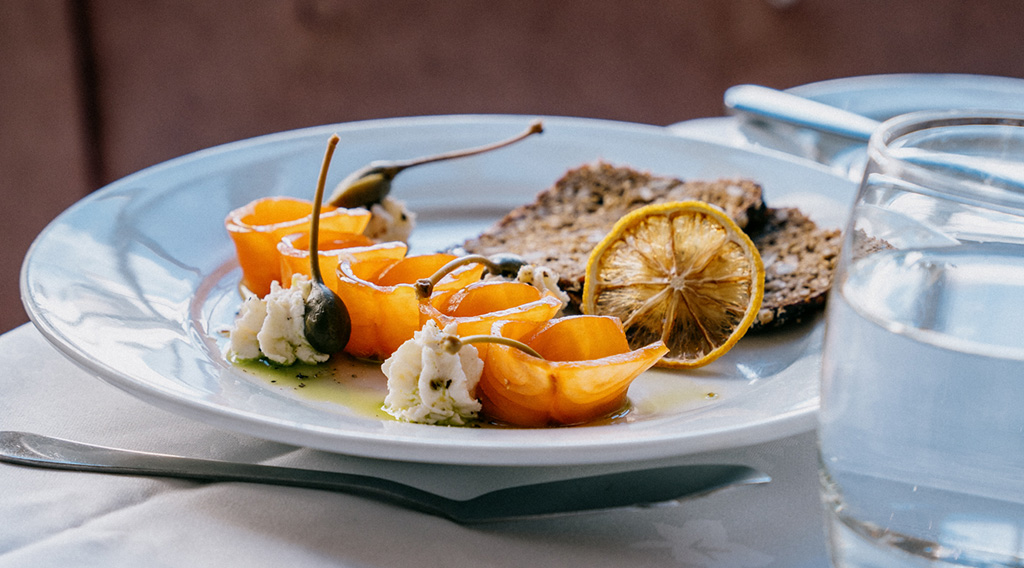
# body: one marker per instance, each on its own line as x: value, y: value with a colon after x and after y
x: 682, y: 273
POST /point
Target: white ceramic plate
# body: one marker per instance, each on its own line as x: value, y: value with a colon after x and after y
x: 134, y: 282
x: 875, y: 96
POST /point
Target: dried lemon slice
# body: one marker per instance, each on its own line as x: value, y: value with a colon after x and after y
x: 679, y: 272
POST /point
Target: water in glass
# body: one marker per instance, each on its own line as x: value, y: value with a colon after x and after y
x: 922, y: 423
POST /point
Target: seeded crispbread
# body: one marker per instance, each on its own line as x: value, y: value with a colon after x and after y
x: 799, y: 260
x: 565, y: 222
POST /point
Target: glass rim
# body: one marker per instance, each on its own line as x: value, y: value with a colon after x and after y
x: 1006, y: 193
x: 903, y: 124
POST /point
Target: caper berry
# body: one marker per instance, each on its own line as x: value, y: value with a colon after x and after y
x: 327, y: 324
x: 372, y: 183
x: 506, y: 265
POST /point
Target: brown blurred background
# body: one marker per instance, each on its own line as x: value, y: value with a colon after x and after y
x: 92, y: 90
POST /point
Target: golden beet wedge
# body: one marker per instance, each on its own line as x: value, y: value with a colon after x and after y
x: 334, y: 247
x: 584, y: 375
x: 476, y: 307
x: 257, y: 227
x: 382, y: 300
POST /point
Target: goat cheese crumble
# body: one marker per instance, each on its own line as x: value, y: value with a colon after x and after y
x: 390, y: 220
x: 429, y: 385
x: 273, y: 326
x: 543, y: 279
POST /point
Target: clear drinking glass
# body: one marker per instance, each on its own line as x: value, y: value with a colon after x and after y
x: 922, y: 404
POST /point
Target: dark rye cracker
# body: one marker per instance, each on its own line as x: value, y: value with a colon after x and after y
x: 565, y: 222
x: 799, y: 260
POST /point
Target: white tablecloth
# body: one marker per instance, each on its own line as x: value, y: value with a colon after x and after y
x: 60, y: 518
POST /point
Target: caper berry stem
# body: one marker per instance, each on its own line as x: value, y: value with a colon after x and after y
x: 453, y: 343
x: 536, y: 127
x: 314, y: 227
x: 425, y: 286
x: 506, y: 265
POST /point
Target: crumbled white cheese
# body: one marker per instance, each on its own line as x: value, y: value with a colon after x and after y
x: 390, y: 220
x: 429, y: 385
x: 543, y: 279
x: 243, y: 343
x: 274, y: 327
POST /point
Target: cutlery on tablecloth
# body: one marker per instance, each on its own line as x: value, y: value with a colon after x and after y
x: 640, y: 488
x: 793, y: 109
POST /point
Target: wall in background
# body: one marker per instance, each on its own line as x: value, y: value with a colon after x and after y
x: 92, y: 90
